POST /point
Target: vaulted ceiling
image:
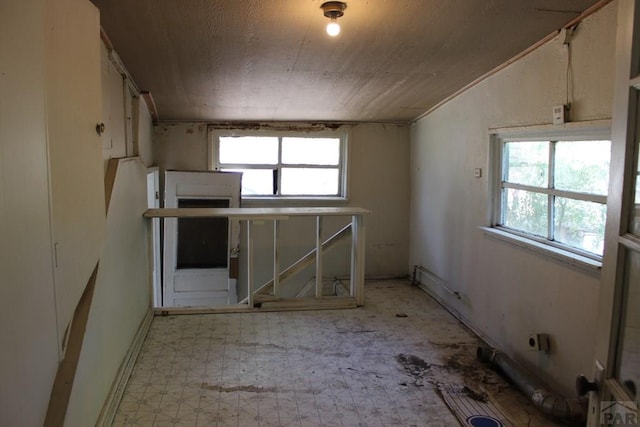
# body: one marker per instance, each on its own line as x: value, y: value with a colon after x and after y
x: 271, y: 60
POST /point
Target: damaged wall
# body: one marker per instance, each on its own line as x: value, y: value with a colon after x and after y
x: 122, y: 295
x: 507, y: 291
x: 28, y: 333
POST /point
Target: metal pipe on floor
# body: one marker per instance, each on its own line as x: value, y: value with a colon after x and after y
x: 572, y: 410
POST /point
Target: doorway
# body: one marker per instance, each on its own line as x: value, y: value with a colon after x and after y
x: 199, y: 252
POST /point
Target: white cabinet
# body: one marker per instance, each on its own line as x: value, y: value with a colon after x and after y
x: 73, y: 109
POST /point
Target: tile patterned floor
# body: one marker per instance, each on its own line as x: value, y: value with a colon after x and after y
x: 311, y: 368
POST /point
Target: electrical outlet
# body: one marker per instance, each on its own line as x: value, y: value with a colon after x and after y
x: 539, y: 342
x: 477, y: 172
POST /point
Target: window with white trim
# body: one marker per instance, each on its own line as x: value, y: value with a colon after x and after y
x: 285, y: 165
x: 552, y: 187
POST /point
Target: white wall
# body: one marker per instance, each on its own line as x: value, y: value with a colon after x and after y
x: 118, y: 122
x: 113, y: 137
x: 378, y: 179
x: 28, y: 337
x: 507, y: 291
x: 122, y: 296
x: 145, y: 134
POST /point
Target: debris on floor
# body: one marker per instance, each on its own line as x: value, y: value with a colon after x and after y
x: 415, y: 367
x: 358, y: 367
x: 474, y: 408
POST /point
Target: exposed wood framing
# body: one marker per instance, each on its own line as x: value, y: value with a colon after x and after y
x: 109, y: 181
x: 61, y: 391
x: 65, y: 376
x: 306, y: 260
x: 324, y: 303
x: 297, y: 304
x: 356, y: 228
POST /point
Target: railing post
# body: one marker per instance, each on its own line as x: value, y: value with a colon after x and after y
x: 318, y: 256
x: 276, y: 259
x: 249, y: 264
x: 357, y: 258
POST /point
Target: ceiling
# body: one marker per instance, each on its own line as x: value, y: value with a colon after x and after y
x: 271, y: 60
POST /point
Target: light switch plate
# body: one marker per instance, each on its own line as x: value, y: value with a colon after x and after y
x: 559, y: 114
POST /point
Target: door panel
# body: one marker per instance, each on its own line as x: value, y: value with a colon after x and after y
x: 617, y: 357
x: 153, y: 201
x: 195, y: 281
x: 73, y: 108
x: 199, y: 301
x: 197, y: 251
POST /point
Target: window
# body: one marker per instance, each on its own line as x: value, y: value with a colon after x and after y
x: 553, y: 188
x: 286, y: 165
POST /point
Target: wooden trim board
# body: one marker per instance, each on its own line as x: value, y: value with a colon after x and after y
x: 293, y: 304
x: 61, y: 390
x: 109, y: 181
x: 252, y: 213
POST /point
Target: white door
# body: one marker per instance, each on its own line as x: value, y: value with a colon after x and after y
x: 616, y: 374
x: 200, y: 253
x: 76, y: 173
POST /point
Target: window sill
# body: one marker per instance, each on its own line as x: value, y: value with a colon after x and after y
x: 558, y: 254
x: 310, y: 201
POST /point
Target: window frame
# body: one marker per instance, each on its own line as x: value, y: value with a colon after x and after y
x: 578, y: 131
x: 341, y: 135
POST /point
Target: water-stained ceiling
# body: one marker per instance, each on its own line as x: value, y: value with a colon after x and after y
x: 271, y: 60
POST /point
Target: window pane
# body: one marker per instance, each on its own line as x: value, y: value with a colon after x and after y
x: 311, y: 151
x: 256, y: 182
x: 526, y: 211
x: 580, y: 224
x: 527, y: 163
x: 202, y: 242
x: 250, y: 150
x: 637, y: 198
x: 635, y: 214
x: 634, y: 226
x: 629, y: 343
x: 583, y: 166
x: 309, y: 181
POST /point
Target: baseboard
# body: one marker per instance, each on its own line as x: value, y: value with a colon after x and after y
x: 110, y: 406
x: 455, y: 313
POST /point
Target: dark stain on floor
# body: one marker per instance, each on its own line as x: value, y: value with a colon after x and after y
x: 245, y: 388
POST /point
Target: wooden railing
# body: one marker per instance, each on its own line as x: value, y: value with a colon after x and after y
x: 272, y: 287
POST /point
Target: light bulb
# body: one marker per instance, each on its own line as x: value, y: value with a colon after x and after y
x: 333, y: 28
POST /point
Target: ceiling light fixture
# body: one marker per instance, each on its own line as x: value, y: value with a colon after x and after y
x: 333, y: 10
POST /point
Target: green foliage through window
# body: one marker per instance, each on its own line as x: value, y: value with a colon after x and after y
x: 556, y: 190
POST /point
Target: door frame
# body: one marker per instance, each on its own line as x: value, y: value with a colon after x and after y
x: 199, y: 187
x: 153, y: 201
x: 619, y: 202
